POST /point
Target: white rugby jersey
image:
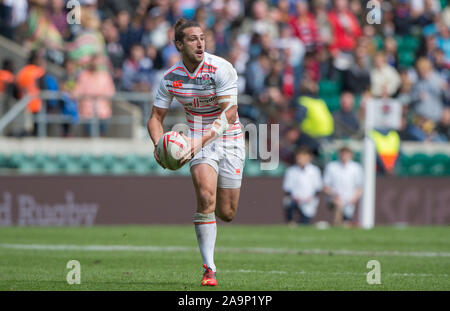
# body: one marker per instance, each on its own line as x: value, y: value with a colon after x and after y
x: 198, y: 93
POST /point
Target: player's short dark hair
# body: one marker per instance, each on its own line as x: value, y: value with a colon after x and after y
x: 181, y: 25
x: 345, y: 149
x: 303, y: 150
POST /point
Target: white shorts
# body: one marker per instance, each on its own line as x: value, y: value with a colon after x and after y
x: 227, y: 157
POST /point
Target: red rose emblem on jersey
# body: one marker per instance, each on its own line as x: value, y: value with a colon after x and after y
x: 206, y: 76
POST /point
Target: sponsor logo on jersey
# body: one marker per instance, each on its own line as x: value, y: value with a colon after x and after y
x: 177, y: 84
x: 200, y: 101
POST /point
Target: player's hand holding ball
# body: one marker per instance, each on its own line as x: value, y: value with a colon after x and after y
x: 171, y: 150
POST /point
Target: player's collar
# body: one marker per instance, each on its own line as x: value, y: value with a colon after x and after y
x: 194, y: 74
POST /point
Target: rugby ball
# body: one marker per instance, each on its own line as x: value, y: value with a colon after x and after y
x: 170, y: 149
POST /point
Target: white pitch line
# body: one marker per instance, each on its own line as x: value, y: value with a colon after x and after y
x: 334, y: 273
x: 255, y: 250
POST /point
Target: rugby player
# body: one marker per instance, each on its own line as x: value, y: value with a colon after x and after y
x: 206, y: 86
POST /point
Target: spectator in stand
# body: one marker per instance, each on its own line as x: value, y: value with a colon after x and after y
x: 114, y: 50
x: 6, y: 76
x: 443, y: 127
x: 404, y: 94
x: 274, y: 79
x: 69, y: 105
x: 442, y: 69
x: 58, y: 17
x: 443, y: 40
x: 130, y: 30
x: 346, y: 123
x: 93, y: 91
x: 89, y: 41
x: 402, y: 17
x: 42, y: 34
x: 345, y: 28
x: 220, y: 35
x: 429, y: 92
x: 304, y: 26
x: 29, y: 82
x: 260, y: 22
x: 323, y: 24
x: 357, y: 78
x: 343, y: 181
x: 424, y: 11
x: 12, y: 14
x: 136, y: 71
x: 390, y: 50
x: 294, y: 138
x: 301, y: 184
x: 155, y: 30
x: 385, y: 80
x: 283, y: 8
x: 6, y: 84
x: 256, y: 74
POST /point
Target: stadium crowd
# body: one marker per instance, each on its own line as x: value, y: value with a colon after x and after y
x: 313, y: 63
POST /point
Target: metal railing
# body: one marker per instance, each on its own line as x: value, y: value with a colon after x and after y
x: 43, y: 118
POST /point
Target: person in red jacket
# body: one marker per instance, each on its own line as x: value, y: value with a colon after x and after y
x: 304, y: 26
x: 345, y: 28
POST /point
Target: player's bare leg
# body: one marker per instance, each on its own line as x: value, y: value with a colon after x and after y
x: 227, y: 203
x: 204, y: 178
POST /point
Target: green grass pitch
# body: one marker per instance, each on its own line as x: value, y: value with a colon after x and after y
x: 247, y: 258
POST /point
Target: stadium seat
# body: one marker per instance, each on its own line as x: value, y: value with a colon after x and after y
x: 407, y: 43
x: 72, y: 168
x: 357, y: 156
x: 63, y: 160
x: 96, y: 168
x: 329, y: 87
x: 334, y: 156
x: 140, y: 168
x: 50, y: 168
x: 379, y: 43
x: 332, y: 102
x: 406, y: 58
x: 16, y: 159
x: 439, y: 165
x: 108, y: 160
x: 28, y: 167
x: 414, y: 165
x: 119, y: 168
x: 130, y: 161
x: 357, y: 102
x: 40, y: 159
x: 85, y: 160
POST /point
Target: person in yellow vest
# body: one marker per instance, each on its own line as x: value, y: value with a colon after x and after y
x: 318, y: 121
x: 387, y: 147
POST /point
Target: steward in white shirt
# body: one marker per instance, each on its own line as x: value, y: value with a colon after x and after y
x: 302, y: 182
x: 343, y: 180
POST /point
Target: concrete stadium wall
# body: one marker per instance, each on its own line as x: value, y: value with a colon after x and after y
x: 88, y: 200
